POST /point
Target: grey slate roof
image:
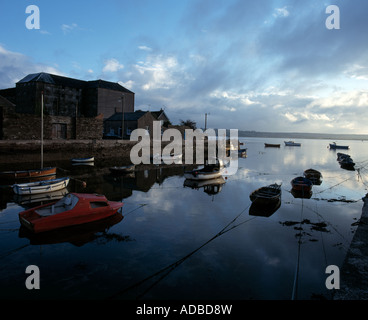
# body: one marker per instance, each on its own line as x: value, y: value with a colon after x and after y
x: 73, y: 83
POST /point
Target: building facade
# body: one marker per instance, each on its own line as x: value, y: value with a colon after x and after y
x: 72, y: 108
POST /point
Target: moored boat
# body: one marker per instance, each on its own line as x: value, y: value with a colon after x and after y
x: 38, y: 187
x: 27, y: 174
x: 335, y: 146
x: 301, y: 184
x: 272, y: 145
x: 314, y: 176
x: 266, y: 195
x: 73, y: 209
x: 292, y: 143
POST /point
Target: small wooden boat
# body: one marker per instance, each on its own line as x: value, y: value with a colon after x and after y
x: 335, y: 146
x: 73, y: 209
x: 83, y: 160
x: 122, y: 169
x: 301, y: 184
x: 292, y: 144
x: 314, y: 176
x: 266, y: 195
x: 40, y: 186
x: 346, y: 162
x: 27, y: 174
x: 271, y: 145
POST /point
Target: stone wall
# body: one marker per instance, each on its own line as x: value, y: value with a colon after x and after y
x: 18, y: 126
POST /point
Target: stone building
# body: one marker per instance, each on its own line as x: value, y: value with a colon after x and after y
x: 133, y: 120
x: 72, y: 108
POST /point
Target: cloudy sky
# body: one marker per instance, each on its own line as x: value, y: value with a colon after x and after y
x: 266, y: 65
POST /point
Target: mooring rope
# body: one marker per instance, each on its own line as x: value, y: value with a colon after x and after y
x: 168, y: 269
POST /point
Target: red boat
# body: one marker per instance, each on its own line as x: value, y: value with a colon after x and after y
x: 73, y: 209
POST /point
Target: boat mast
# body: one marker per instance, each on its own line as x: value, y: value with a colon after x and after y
x: 41, y: 129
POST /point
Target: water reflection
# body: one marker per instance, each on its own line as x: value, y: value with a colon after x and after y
x: 175, y: 223
x: 211, y: 186
x: 77, y: 235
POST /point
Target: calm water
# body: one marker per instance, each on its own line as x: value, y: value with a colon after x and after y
x: 175, y: 242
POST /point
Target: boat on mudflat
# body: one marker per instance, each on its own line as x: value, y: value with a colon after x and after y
x: 266, y: 195
x: 335, y: 146
x: 73, y: 209
x: 38, y: 187
x: 301, y: 184
x: 27, y: 174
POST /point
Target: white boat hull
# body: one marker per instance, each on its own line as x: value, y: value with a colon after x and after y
x: 40, y: 186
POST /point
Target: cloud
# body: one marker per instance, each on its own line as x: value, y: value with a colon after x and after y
x: 145, y: 48
x: 281, y: 12
x: 112, y: 65
x: 14, y: 66
x: 66, y: 28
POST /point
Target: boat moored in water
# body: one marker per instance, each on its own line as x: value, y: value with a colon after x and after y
x: 266, y: 195
x: 292, y: 144
x: 38, y: 187
x: 301, y: 184
x: 73, y: 209
x: 335, y: 146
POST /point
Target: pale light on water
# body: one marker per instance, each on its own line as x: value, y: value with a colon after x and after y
x: 176, y: 242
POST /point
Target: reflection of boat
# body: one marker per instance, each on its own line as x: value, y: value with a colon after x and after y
x: 122, y: 169
x: 32, y: 198
x: 77, y: 235
x: 271, y: 145
x: 314, y: 176
x: 210, y: 171
x: 262, y: 210
x: 73, y: 209
x: 242, y: 152
x: 212, y: 186
x: 85, y: 164
x: 83, y: 160
x: 292, y: 144
x: 27, y: 174
x: 41, y: 186
x: 335, y: 146
x: 266, y: 195
x: 305, y: 194
x: 301, y: 184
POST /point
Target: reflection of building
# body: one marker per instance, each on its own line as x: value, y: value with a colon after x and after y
x: 133, y: 120
x: 73, y: 109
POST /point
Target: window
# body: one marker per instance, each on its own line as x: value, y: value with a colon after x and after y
x: 98, y: 204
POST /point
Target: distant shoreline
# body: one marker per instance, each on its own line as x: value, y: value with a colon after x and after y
x: 301, y: 135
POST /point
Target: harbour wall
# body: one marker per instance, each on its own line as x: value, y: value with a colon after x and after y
x: 354, y: 271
